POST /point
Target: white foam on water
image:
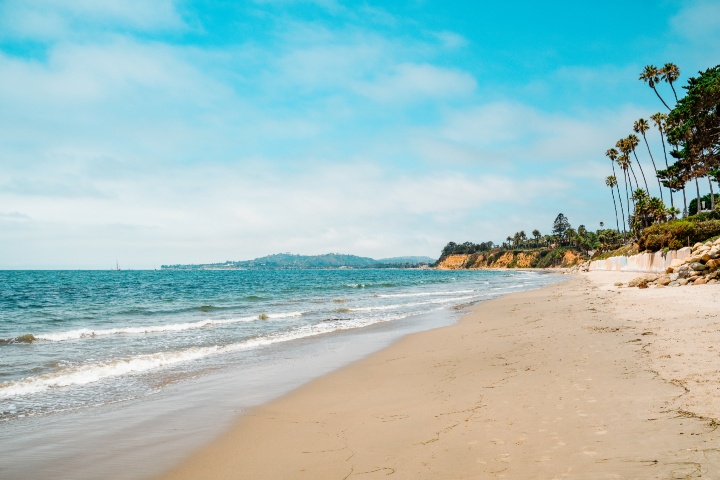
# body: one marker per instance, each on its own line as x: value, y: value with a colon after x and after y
x: 78, y: 375
x: 424, y: 294
x: 410, y: 305
x: 83, y: 333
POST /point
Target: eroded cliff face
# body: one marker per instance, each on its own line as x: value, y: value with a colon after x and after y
x: 507, y: 259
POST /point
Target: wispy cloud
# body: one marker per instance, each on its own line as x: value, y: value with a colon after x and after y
x: 64, y: 19
x: 318, y: 135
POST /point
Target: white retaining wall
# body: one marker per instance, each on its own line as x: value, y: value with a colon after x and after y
x: 656, y: 262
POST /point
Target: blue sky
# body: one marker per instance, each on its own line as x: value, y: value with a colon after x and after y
x: 198, y: 131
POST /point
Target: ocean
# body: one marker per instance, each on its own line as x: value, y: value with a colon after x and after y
x: 76, y: 345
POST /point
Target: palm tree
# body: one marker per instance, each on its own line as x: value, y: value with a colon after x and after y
x: 632, y: 142
x: 536, y: 234
x: 669, y: 73
x: 659, y: 121
x: 611, y: 182
x: 625, y: 148
x: 612, y: 154
x: 651, y: 75
x: 641, y: 126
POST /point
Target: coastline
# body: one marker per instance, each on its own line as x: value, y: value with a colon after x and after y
x: 579, y: 378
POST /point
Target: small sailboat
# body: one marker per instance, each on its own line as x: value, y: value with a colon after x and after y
x: 117, y: 266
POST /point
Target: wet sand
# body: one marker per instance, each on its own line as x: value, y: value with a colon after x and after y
x: 580, y: 379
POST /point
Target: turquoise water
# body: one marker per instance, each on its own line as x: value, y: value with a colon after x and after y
x: 73, y: 340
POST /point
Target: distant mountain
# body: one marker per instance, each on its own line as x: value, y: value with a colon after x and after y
x: 284, y: 261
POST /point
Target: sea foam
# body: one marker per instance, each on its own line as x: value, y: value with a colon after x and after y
x: 173, y: 327
x: 77, y: 375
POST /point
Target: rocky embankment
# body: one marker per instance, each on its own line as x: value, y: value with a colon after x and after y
x: 507, y: 259
x: 700, y: 268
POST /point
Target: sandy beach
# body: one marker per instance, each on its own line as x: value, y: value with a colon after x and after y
x: 580, y: 379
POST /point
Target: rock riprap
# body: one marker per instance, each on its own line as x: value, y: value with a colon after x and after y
x: 700, y: 268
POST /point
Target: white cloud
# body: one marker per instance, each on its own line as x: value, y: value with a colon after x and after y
x: 52, y: 19
x: 698, y: 20
x: 452, y: 40
x: 215, y: 213
x: 417, y: 82
x: 150, y: 153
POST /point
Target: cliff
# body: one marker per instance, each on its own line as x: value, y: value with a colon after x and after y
x: 557, y: 258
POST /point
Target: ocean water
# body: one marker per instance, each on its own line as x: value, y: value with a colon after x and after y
x: 78, y: 347
x: 78, y: 339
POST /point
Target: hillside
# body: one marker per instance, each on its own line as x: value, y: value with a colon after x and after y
x: 537, y: 258
x: 287, y: 261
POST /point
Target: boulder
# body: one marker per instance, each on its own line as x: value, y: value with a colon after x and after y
x: 674, y: 284
x: 677, y: 263
x: 643, y: 283
x: 698, y: 267
x: 682, y: 282
x: 694, y: 258
x: 712, y: 282
x: 712, y: 264
x: 619, y: 284
x: 664, y: 280
x: 674, y: 277
x: 717, y: 242
x: 705, y: 257
x: 697, y: 245
x: 636, y: 281
x: 700, y: 281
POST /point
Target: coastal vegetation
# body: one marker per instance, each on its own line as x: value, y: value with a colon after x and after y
x: 565, y: 246
x: 689, y: 134
x: 690, y: 137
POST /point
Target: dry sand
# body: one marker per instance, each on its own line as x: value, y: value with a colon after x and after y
x: 579, y: 380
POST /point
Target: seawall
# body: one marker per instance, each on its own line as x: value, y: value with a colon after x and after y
x: 657, y: 262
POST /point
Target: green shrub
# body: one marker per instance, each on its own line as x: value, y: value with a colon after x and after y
x: 677, y: 234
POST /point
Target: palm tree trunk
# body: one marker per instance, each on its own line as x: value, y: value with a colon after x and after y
x: 662, y: 137
x: 685, y: 213
x: 661, y: 99
x: 674, y: 92
x: 617, y: 222
x: 637, y: 184
x: 627, y: 197
x: 642, y: 172
x: 712, y: 196
x: 617, y: 186
x: 622, y: 212
x: 697, y: 186
x: 654, y: 167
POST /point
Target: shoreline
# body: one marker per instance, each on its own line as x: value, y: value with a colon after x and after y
x: 144, y: 436
x: 575, y: 378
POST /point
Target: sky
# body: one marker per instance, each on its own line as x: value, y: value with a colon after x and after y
x: 196, y: 131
